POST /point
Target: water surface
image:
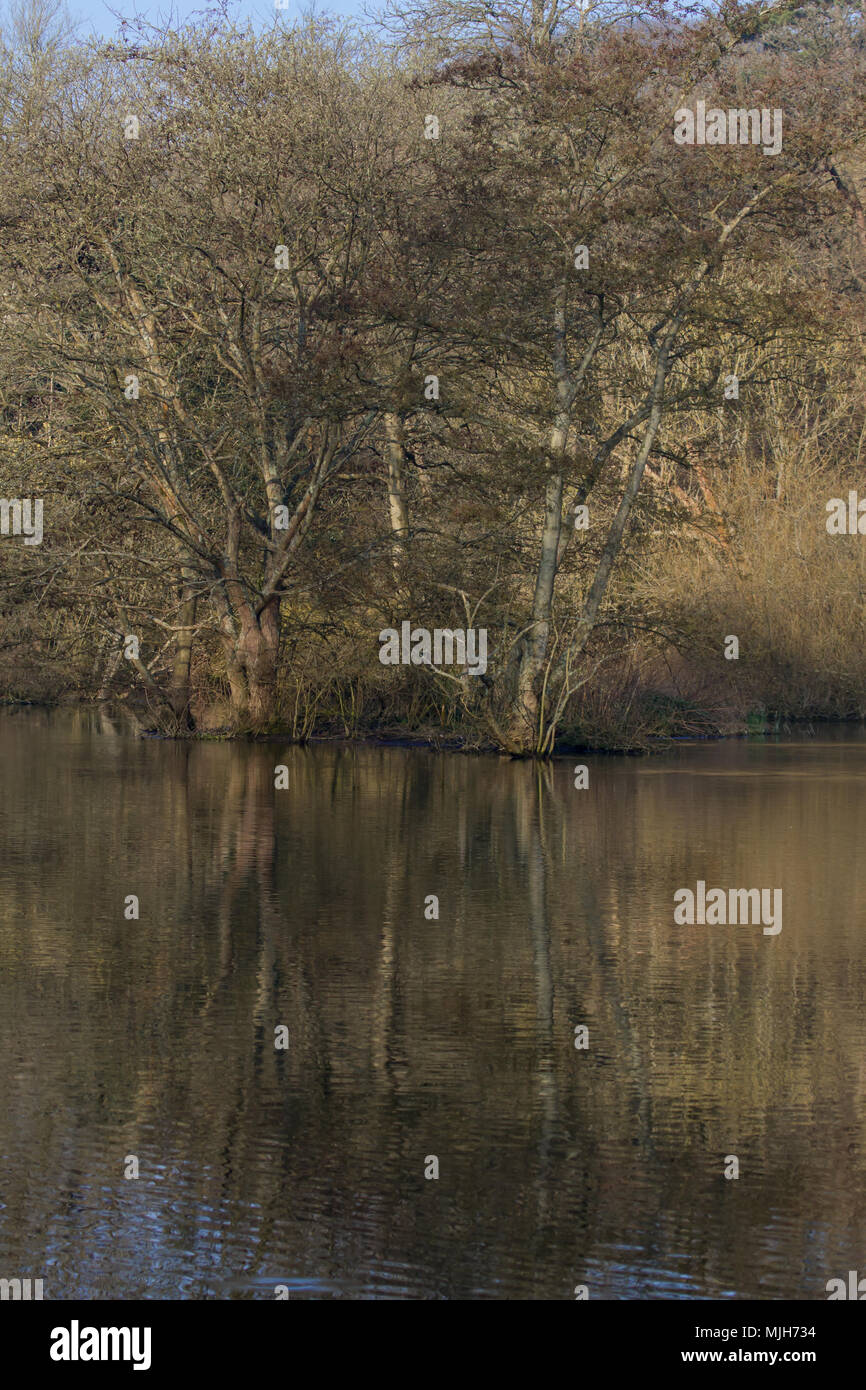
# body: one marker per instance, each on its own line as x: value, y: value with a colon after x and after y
x: 410, y: 1037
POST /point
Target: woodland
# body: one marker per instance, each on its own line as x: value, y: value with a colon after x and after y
x: 314, y: 330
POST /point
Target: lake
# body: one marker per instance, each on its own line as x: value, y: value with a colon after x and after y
x: 592, y: 1159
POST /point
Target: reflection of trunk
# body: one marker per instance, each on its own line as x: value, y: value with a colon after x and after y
x: 529, y: 822
x: 632, y: 1066
x: 246, y: 854
x: 398, y: 510
x: 385, y: 990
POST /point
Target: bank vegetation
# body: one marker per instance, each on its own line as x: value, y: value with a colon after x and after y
x: 309, y: 332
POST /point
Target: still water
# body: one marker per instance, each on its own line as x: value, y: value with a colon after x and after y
x: 411, y: 1037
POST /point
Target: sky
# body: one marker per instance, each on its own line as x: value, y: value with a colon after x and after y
x: 101, y: 16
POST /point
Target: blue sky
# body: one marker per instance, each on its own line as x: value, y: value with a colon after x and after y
x: 98, y: 16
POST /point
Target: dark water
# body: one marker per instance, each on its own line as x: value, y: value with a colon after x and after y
x: 411, y: 1038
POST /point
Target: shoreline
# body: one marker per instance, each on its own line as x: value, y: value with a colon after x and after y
x: 447, y: 743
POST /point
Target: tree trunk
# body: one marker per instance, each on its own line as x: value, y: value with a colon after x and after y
x: 257, y: 656
x: 179, y: 688
x: 526, y: 715
x: 523, y: 725
x: 398, y: 510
